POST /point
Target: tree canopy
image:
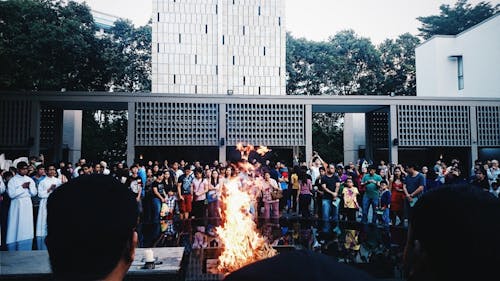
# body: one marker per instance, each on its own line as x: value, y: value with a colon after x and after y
x: 453, y: 20
x: 52, y: 45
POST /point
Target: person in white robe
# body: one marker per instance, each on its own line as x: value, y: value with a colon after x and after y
x: 2, y: 190
x: 20, y: 230
x: 45, y: 188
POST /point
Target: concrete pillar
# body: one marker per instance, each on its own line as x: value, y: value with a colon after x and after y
x: 131, y: 134
x: 393, y: 134
x: 474, y: 153
x: 222, y: 133
x: 72, y: 134
x: 35, y: 128
x: 58, y: 135
x: 308, y: 132
x: 354, y: 136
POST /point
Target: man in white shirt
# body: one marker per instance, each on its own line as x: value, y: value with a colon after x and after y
x: 45, y: 188
x: 20, y: 230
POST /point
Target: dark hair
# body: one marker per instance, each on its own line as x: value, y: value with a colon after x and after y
x: 321, y: 169
x: 451, y: 224
x: 41, y: 166
x: 87, y: 238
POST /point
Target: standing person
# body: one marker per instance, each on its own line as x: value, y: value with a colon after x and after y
x: 493, y: 172
x: 20, y: 230
x: 40, y: 174
x: 185, y: 192
x: 295, y: 188
x: 397, y: 196
x: 134, y: 183
x: 158, y: 187
x: 371, y: 181
x: 268, y: 186
x: 314, y: 166
x: 213, y: 196
x: 199, y: 186
x: 45, y: 188
x: 318, y: 193
x: 350, y: 193
x: 385, y: 203
x: 304, y: 194
x: 330, y: 187
x: 413, y: 188
x: 481, y: 180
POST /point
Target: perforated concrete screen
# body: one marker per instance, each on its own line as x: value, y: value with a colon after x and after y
x: 488, y: 125
x: 169, y: 123
x: 265, y: 124
x: 433, y: 125
x: 379, y: 126
x: 15, y: 122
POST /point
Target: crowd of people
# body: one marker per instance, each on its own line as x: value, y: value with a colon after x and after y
x: 362, y: 191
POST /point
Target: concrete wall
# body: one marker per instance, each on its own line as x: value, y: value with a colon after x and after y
x: 354, y: 135
x: 72, y: 134
x: 479, y: 47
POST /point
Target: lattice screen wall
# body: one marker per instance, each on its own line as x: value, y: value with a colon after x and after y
x: 15, y: 122
x: 265, y: 124
x: 170, y: 123
x: 488, y: 125
x: 48, y: 128
x: 433, y: 125
x: 379, y: 128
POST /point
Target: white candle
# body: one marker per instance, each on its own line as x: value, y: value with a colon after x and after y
x: 149, y: 255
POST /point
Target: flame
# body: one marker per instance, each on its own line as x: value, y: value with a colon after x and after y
x: 245, y: 150
x: 243, y: 244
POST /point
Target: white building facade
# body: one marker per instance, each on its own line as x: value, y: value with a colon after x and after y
x: 462, y: 65
x: 219, y: 47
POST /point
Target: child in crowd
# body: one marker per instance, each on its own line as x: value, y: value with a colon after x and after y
x: 385, y: 202
x: 350, y: 193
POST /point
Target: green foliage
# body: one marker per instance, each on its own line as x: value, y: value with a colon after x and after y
x: 104, y: 135
x: 328, y: 139
x: 453, y: 20
x: 344, y: 65
x: 52, y: 45
x: 398, y: 65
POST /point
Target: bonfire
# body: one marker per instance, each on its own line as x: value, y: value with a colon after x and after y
x: 242, y: 243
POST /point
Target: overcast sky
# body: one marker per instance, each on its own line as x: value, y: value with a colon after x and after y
x: 319, y: 19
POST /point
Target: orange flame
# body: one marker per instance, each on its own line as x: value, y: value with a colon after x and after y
x: 242, y: 242
x: 245, y: 150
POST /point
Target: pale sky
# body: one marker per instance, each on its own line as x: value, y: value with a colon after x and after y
x: 319, y: 19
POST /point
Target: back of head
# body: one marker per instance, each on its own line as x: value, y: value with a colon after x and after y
x: 454, y: 227
x: 298, y: 265
x: 90, y: 223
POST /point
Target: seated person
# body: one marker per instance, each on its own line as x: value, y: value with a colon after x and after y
x: 450, y: 235
x: 91, y: 223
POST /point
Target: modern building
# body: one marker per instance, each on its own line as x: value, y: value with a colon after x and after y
x: 462, y: 65
x: 219, y: 47
x: 466, y: 65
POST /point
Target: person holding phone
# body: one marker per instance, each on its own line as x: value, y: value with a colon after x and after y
x: 45, y: 188
x: 20, y: 230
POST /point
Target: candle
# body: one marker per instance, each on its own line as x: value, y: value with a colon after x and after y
x: 149, y: 255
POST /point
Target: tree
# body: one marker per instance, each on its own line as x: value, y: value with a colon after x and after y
x: 129, y: 55
x: 48, y: 45
x: 398, y: 65
x: 453, y: 20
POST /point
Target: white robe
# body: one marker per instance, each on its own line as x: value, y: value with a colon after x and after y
x: 20, y: 220
x: 2, y: 185
x: 41, y: 221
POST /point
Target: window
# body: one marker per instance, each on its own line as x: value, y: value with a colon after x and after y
x: 216, y: 9
x: 234, y: 60
x: 259, y: 10
x: 243, y: 30
x: 157, y: 47
x: 174, y: 78
x: 279, y: 21
x: 264, y: 51
x: 158, y: 16
x: 180, y: 38
x: 195, y: 59
x: 206, y: 28
x: 244, y: 80
x: 216, y: 70
x: 460, y: 72
x: 222, y: 39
